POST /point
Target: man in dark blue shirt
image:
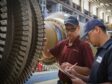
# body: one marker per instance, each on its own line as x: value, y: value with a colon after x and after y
x: 101, y: 72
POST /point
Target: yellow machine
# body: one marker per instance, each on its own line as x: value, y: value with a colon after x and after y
x: 54, y: 31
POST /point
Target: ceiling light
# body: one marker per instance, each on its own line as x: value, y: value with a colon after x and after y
x: 107, y: 4
x: 101, y: 4
x: 109, y: 10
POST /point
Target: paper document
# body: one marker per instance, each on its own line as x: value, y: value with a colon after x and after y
x: 65, y: 72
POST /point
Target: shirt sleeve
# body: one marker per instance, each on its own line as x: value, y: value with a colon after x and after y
x: 88, y: 55
x: 110, y: 66
x: 55, y: 51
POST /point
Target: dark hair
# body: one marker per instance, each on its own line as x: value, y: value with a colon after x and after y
x: 111, y: 36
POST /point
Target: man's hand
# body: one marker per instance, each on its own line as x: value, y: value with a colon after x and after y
x: 74, y: 71
x: 65, y: 65
x: 69, y: 69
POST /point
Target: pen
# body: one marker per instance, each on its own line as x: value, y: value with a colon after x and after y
x: 73, y: 65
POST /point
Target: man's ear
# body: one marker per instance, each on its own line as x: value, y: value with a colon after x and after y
x: 78, y: 27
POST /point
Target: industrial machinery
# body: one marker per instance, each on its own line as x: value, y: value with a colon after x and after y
x: 22, y: 33
x: 21, y: 39
x: 54, y: 31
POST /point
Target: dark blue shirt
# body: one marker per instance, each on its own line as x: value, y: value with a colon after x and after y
x: 102, y: 66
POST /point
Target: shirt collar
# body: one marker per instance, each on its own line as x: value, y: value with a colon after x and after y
x: 76, y: 41
x: 106, y: 45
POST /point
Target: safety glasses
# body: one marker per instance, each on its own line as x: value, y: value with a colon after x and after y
x: 71, y: 28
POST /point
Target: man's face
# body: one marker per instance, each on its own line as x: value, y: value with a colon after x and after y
x: 93, y: 37
x: 72, y: 31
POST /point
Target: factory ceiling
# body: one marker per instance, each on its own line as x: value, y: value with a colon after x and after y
x: 105, y: 5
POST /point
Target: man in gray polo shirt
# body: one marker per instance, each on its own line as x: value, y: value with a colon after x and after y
x: 101, y: 72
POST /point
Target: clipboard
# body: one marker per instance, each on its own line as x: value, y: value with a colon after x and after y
x: 65, y: 72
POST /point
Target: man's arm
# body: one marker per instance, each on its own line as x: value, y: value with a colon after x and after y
x: 46, y: 52
x: 82, y: 70
x: 79, y: 75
